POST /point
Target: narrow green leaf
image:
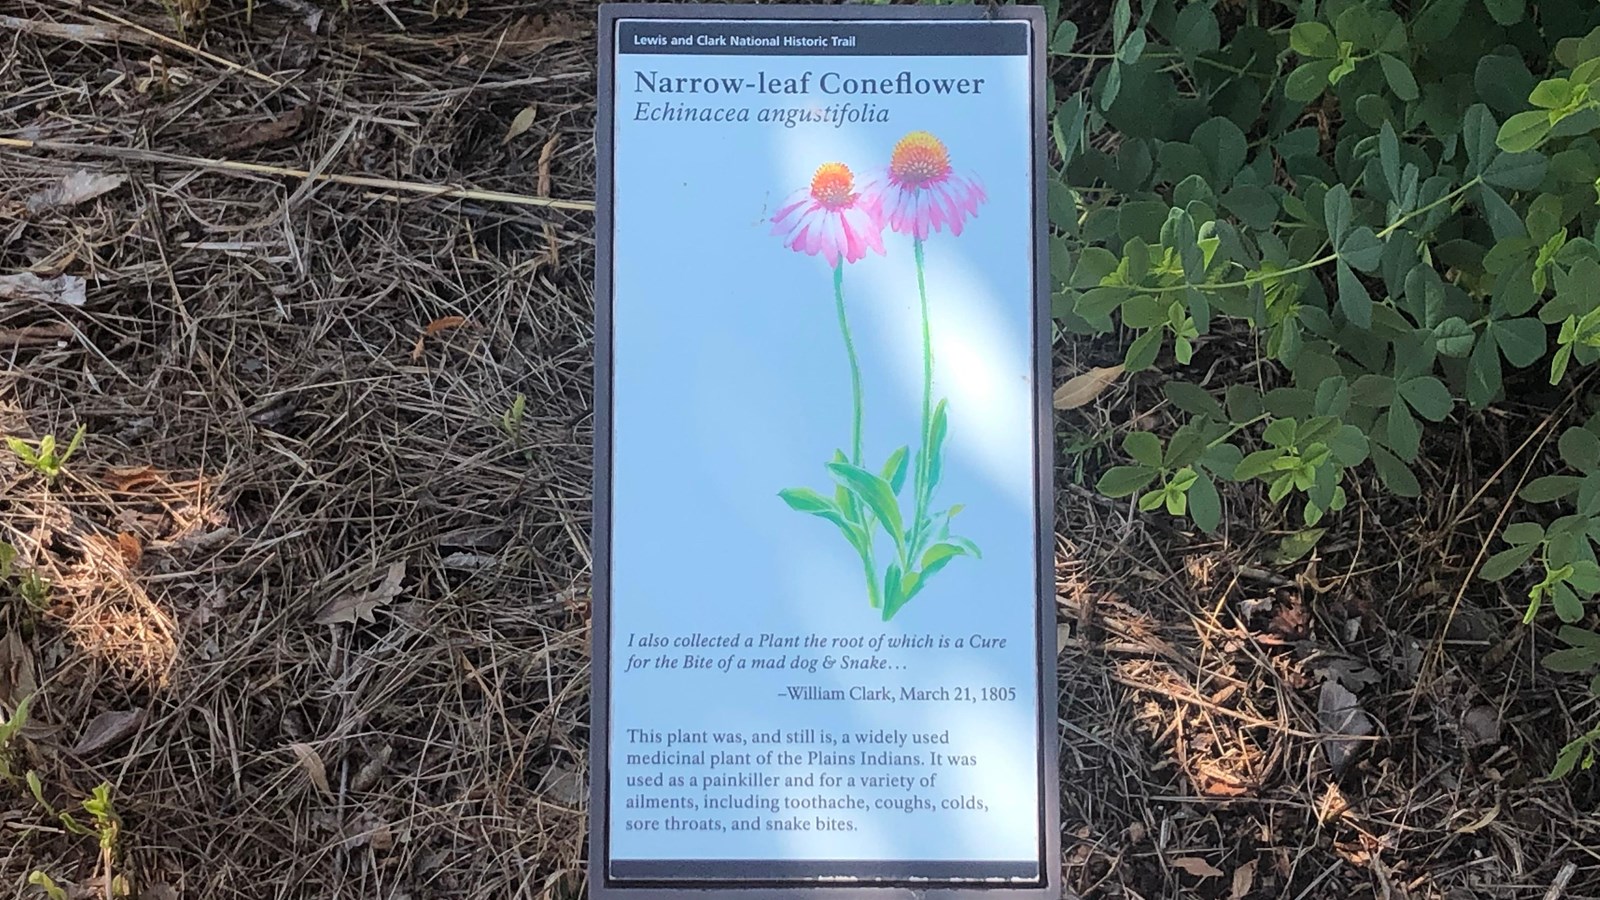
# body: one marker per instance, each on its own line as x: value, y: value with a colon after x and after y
x: 1362, y: 249
x: 1256, y: 464
x: 1121, y: 481
x: 1437, y: 20
x: 1394, y: 474
x: 1142, y: 353
x: 1503, y: 220
x: 1483, y: 374
x: 1399, y: 76
x: 1454, y: 337
x: 1550, y: 488
x: 1523, y: 533
x: 874, y: 492
x: 1506, y: 12
x: 1498, y: 566
x: 1337, y: 210
x: 1205, y: 506
x: 1428, y: 396
x: 1196, y: 30
x: 1580, y: 449
x: 1066, y: 36
x: 1193, y: 399
x: 1478, y: 134
x: 1573, y: 659
x: 1112, y: 86
x: 1349, y: 446
x: 1312, y: 39
x: 1144, y: 447
x: 1520, y: 171
x: 1296, y: 545
x: 938, y: 430
x: 1523, y: 341
x: 1523, y: 131
x: 1405, y: 435
x: 1307, y: 82
x: 1354, y: 301
x: 894, y: 470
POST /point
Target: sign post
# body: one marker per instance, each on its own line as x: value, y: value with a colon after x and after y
x: 824, y: 634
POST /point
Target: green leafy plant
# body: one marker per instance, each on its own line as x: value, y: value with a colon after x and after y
x: 511, y: 419
x: 47, y: 884
x: 1385, y: 213
x: 44, y: 457
x: 104, y: 825
x: 10, y: 729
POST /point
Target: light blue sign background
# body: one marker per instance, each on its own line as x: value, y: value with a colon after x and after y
x: 730, y: 383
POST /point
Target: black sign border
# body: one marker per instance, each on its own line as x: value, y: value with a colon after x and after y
x: 602, y: 886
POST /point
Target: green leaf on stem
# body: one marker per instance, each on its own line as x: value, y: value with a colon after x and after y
x: 894, y: 471
x: 875, y: 493
x: 1354, y: 301
x: 1523, y: 131
x: 1498, y: 566
x: 1121, y: 481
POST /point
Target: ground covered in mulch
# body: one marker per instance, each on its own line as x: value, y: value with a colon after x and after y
x: 315, y: 586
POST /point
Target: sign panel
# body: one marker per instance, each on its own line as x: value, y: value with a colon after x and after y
x: 824, y: 634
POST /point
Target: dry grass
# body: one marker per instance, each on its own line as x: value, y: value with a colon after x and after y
x: 273, y: 424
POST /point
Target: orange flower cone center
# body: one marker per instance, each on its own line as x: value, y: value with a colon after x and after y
x: 919, y: 159
x: 831, y: 185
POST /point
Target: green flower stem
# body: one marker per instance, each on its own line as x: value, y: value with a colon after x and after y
x: 856, y: 509
x: 924, y: 464
x: 855, y: 365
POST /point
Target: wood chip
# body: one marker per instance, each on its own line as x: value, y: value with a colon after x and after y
x: 67, y: 290
x: 79, y: 187
x: 311, y: 762
x: 1079, y: 390
x: 352, y: 608
x: 108, y: 729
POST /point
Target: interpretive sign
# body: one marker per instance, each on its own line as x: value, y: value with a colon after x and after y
x: 824, y: 640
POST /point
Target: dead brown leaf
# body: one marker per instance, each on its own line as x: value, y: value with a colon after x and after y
x: 108, y: 729
x: 352, y: 608
x: 67, y: 290
x: 520, y: 124
x: 531, y: 34
x: 1345, y: 722
x: 1197, y: 867
x: 17, y: 678
x: 546, y: 154
x: 1080, y: 389
x: 126, y: 479
x: 311, y: 761
x: 131, y: 548
x: 1244, y: 880
x: 79, y: 187
x: 266, y: 132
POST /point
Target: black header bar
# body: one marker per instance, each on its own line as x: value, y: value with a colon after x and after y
x: 714, y: 37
